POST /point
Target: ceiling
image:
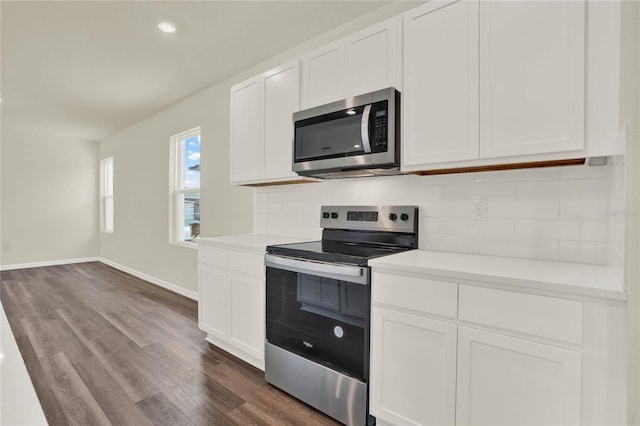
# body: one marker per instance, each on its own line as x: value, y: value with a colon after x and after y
x: 86, y: 69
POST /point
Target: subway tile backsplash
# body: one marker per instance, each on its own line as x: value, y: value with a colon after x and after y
x: 561, y: 213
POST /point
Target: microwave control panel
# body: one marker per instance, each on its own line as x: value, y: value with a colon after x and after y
x: 380, y: 126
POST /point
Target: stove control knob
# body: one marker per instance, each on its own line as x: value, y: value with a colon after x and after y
x: 393, y: 216
x: 334, y: 215
x: 404, y: 217
x: 325, y: 215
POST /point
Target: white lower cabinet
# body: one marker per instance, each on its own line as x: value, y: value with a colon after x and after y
x: 510, y: 381
x: 413, y: 367
x: 215, y: 288
x: 231, y: 308
x: 247, y: 315
x: 502, y: 357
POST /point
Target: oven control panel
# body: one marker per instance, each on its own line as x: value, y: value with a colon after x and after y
x: 371, y: 218
x: 362, y: 216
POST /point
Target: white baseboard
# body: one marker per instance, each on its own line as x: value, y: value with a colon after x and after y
x: 153, y: 280
x: 48, y: 263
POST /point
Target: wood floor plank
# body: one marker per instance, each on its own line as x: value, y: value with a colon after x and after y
x: 50, y: 337
x: 14, y: 275
x: 161, y: 411
x: 19, y: 303
x: 102, y: 346
x: 113, y: 400
x: 116, y: 362
x: 43, y: 301
x: 247, y: 414
x: 265, y: 397
x: 42, y: 384
x: 78, y: 403
x: 65, y: 299
x: 12, y: 311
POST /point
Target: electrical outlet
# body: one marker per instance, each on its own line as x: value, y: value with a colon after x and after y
x: 6, y: 245
x: 283, y: 210
x: 480, y: 209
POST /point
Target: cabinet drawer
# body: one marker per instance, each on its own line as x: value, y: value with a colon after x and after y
x: 248, y: 263
x: 543, y: 316
x: 428, y: 296
x: 212, y: 256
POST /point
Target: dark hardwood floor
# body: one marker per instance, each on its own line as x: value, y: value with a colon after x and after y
x: 104, y: 347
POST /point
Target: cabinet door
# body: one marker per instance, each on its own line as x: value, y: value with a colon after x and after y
x: 281, y: 100
x: 213, y: 309
x: 413, y: 369
x: 323, y: 75
x: 440, y: 98
x: 509, y: 381
x: 532, y: 77
x: 247, y: 315
x: 371, y: 59
x: 247, y: 130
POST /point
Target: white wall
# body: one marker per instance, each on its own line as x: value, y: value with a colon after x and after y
x: 630, y: 113
x: 554, y: 213
x: 49, y: 198
x: 141, y: 189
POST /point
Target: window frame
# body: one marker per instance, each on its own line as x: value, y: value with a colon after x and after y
x: 177, y: 189
x: 107, y: 193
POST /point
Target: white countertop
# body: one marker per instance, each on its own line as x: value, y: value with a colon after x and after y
x: 250, y: 242
x: 564, y: 277
x: 541, y: 275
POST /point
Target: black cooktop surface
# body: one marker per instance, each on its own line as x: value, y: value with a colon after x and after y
x: 338, y: 252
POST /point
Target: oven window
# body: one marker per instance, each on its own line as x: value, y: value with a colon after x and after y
x: 322, y: 319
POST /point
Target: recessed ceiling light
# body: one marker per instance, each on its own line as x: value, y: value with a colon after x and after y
x: 167, y: 27
x: 351, y: 112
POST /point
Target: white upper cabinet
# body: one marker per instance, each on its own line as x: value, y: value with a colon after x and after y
x: 532, y: 77
x: 281, y: 100
x: 440, y: 98
x: 247, y: 130
x: 483, y: 83
x: 262, y: 126
x: 487, y: 80
x: 323, y: 75
x: 372, y: 59
x: 361, y: 63
x: 603, y: 71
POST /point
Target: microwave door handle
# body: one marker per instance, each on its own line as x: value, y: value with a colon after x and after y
x: 364, y: 129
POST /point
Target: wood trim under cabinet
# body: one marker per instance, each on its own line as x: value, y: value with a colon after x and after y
x: 495, y: 167
x: 286, y: 182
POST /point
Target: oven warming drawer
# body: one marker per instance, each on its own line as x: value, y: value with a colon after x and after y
x: 341, y: 397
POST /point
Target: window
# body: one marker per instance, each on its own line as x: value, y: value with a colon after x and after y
x: 185, y: 187
x: 106, y: 192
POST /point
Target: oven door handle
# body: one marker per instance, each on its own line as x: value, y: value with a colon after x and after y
x: 311, y: 266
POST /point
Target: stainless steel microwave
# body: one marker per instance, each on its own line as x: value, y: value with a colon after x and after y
x: 358, y: 136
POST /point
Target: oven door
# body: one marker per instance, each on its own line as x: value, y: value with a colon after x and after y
x: 320, y: 311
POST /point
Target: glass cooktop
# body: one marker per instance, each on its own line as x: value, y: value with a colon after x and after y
x: 331, y: 251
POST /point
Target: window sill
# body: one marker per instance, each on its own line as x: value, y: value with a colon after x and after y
x: 189, y: 244
x: 106, y: 232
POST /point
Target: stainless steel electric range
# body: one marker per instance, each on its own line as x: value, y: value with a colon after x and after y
x: 318, y: 306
